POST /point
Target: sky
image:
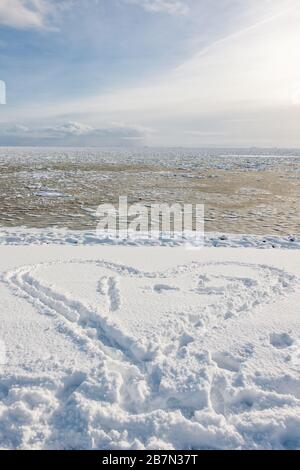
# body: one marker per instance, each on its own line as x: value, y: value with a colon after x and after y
x: 190, y: 73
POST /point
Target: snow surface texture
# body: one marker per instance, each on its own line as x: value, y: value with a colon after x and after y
x: 156, y: 348
x: 27, y: 236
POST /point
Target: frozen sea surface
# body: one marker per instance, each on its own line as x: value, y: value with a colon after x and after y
x: 250, y: 191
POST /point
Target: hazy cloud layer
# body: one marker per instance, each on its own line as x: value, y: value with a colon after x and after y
x: 34, y: 14
x: 73, y: 134
x: 174, y: 7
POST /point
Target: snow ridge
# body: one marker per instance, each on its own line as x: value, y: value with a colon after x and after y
x: 28, y: 237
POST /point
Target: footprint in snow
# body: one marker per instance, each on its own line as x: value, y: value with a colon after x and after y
x: 233, y: 362
x: 281, y: 340
x: 160, y: 288
x: 227, y: 361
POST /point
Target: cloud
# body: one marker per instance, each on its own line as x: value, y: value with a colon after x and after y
x: 32, y: 14
x: 74, y: 134
x: 70, y: 129
x: 253, y: 74
x: 17, y: 129
x: 173, y: 7
x: 24, y: 14
x: 242, y: 89
x: 41, y: 14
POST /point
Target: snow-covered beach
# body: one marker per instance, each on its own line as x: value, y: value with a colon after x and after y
x: 134, y: 347
x: 149, y: 230
x: 144, y: 342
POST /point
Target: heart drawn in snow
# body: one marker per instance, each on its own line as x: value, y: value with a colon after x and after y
x: 128, y: 308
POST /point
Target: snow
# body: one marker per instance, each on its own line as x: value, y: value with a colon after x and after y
x: 148, y: 347
x: 57, y: 236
